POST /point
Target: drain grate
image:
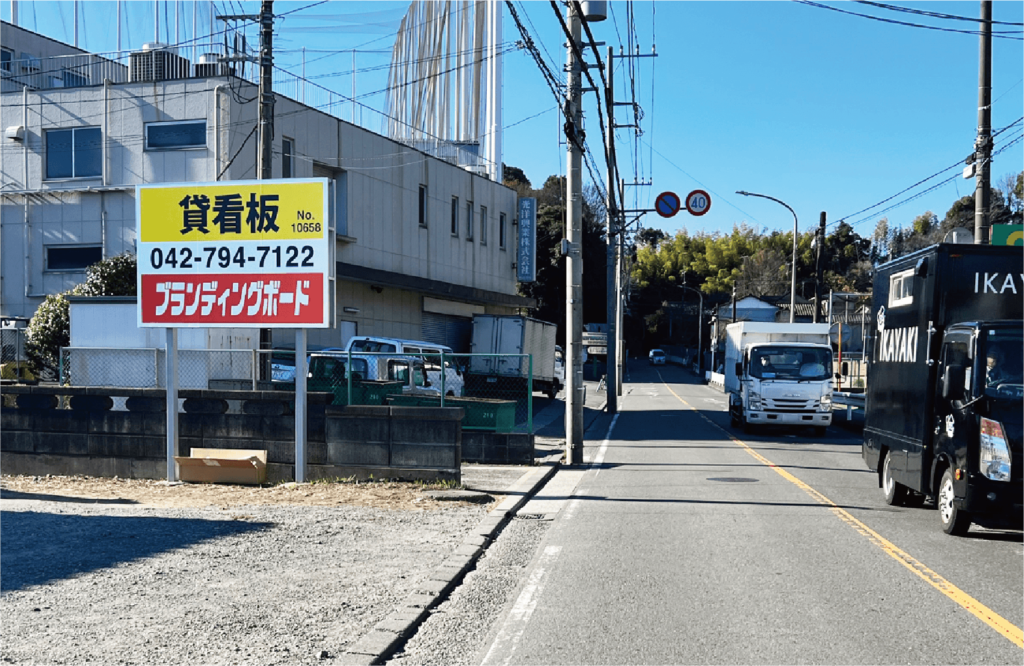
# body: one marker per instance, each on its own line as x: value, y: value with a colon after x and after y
x: 732, y: 479
x: 531, y: 516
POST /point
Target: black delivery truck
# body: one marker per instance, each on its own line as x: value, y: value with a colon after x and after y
x: 945, y: 398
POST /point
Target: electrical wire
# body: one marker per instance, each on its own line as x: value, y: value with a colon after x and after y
x: 998, y: 34
x: 922, y: 12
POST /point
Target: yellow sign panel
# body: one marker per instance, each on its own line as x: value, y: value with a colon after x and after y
x: 246, y: 210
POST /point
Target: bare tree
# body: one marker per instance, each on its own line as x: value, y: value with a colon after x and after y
x: 764, y: 273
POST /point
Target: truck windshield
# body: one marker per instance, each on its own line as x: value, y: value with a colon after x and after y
x: 1000, y: 357
x: 803, y: 363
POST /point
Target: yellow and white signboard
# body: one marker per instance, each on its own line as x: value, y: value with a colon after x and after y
x: 252, y: 253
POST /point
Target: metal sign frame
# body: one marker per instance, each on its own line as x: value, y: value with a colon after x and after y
x: 235, y: 254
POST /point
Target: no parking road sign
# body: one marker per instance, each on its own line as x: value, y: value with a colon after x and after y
x: 667, y: 204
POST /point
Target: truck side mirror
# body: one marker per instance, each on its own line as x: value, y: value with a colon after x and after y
x: 846, y: 368
x: 953, y: 379
x: 739, y: 369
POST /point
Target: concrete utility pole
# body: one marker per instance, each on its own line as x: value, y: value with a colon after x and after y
x: 620, y: 301
x: 266, y: 124
x: 611, y: 355
x: 266, y: 118
x: 983, y: 144
x: 574, y: 389
x: 818, y: 268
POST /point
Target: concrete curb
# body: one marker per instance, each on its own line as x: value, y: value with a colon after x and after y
x: 388, y: 636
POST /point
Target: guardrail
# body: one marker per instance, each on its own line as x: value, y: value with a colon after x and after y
x: 850, y: 400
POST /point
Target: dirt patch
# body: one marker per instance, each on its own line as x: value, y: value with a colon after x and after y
x: 397, y: 495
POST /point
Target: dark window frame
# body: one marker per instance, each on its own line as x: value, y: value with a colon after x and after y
x: 74, y: 153
x: 170, y: 123
x: 6, y: 63
x: 423, y: 195
x: 470, y: 215
x: 287, y: 157
x: 71, y: 267
x: 455, y: 216
x: 502, y: 230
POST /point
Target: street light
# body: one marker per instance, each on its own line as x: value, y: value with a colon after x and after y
x: 792, y: 288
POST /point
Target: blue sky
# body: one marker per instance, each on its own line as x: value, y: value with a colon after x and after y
x: 823, y: 110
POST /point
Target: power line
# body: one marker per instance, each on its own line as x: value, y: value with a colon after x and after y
x: 998, y: 34
x: 922, y: 12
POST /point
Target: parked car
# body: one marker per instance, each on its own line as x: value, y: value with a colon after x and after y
x: 410, y: 370
x: 430, y: 352
x: 656, y: 357
x: 282, y: 362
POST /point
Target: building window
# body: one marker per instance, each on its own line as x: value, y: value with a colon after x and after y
x: 501, y: 230
x: 72, y: 257
x: 174, y: 135
x: 74, y: 153
x: 469, y: 220
x: 483, y: 225
x: 6, y: 56
x: 455, y: 216
x: 287, y: 152
x: 423, y: 205
x: 901, y: 289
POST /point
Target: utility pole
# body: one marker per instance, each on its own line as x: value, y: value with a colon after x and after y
x: 620, y: 301
x: 611, y: 378
x: 983, y: 144
x: 818, y: 268
x: 266, y: 111
x: 574, y: 259
x: 266, y: 124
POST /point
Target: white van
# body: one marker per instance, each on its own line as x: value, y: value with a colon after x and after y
x: 430, y: 352
x: 331, y: 366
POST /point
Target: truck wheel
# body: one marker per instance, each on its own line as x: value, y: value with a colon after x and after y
x: 954, y: 521
x: 733, y: 421
x: 895, y: 493
x: 747, y: 426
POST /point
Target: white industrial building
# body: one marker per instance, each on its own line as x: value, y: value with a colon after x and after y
x: 423, y: 243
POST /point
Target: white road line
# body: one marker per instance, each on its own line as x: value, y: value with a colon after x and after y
x: 515, y: 625
x: 595, y: 464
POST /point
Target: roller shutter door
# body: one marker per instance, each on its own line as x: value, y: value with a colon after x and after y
x: 456, y: 332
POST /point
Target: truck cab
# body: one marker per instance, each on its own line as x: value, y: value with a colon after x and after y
x: 945, y: 398
x: 779, y: 374
x: 979, y: 410
x: 784, y: 384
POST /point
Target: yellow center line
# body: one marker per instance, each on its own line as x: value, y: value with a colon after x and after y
x: 1005, y: 628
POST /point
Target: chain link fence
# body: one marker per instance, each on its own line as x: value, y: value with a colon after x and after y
x: 145, y: 368
x: 496, y: 390
x: 12, y: 353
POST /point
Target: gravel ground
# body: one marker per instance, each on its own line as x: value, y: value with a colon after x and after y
x: 457, y: 631
x: 254, y: 584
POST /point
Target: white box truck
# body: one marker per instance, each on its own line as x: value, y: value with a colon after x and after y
x: 778, y: 373
x: 514, y: 334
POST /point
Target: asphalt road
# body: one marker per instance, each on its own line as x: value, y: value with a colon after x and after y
x: 685, y: 541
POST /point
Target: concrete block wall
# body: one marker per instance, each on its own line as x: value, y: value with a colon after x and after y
x: 386, y: 442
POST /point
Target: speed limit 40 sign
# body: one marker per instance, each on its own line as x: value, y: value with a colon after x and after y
x: 698, y: 202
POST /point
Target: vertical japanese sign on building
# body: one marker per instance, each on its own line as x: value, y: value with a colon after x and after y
x: 526, y: 259
x: 252, y: 253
